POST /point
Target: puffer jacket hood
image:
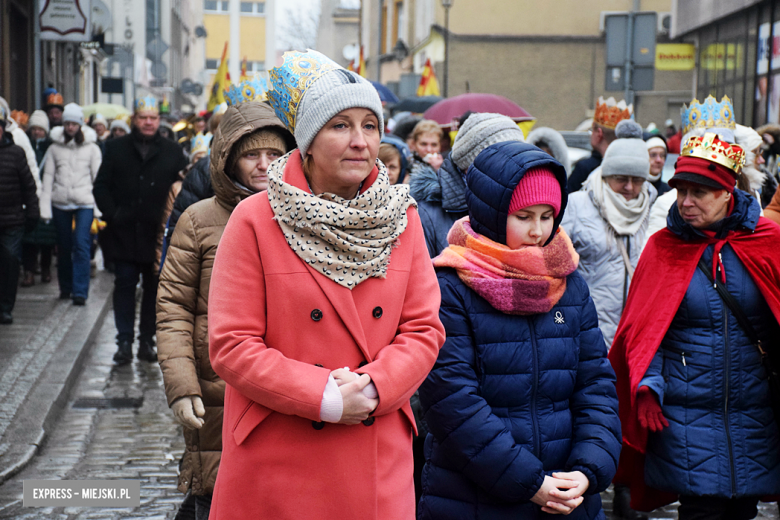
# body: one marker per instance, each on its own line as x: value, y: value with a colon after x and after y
x: 493, y: 177
x: 238, y: 121
x: 555, y: 141
x: 57, y: 135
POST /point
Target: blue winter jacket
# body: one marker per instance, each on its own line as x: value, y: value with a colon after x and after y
x: 514, y: 398
x: 722, y: 438
x: 441, y: 200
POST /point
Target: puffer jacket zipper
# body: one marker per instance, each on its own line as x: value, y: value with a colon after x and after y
x: 625, y: 272
x: 534, y: 388
x: 726, y: 377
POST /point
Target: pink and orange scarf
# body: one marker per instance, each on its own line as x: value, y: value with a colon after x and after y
x: 523, y: 281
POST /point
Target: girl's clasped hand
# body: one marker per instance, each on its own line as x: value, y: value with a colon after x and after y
x: 562, y: 492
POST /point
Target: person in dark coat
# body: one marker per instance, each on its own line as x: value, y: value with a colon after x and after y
x: 602, y: 132
x: 441, y: 198
x: 18, y: 212
x: 130, y: 190
x: 195, y: 187
x: 695, y: 399
x: 521, y: 403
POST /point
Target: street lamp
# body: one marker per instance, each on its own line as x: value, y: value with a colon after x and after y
x: 446, y: 4
x: 400, y: 51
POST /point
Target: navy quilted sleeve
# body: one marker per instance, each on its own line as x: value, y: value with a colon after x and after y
x: 594, y: 405
x: 475, y: 441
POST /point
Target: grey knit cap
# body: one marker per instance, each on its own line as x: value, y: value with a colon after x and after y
x: 330, y: 94
x: 480, y: 131
x: 627, y: 154
x: 39, y: 119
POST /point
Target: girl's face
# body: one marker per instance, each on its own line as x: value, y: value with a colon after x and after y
x: 344, y: 152
x: 529, y: 226
x: 71, y: 128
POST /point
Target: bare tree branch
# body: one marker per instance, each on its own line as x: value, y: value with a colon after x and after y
x: 298, y: 28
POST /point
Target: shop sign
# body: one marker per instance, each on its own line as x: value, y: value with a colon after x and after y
x: 722, y: 56
x: 65, y: 20
x: 675, y: 56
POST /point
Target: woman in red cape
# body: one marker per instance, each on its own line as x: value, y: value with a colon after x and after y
x: 695, y: 406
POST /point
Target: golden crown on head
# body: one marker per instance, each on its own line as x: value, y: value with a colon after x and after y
x: 711, y: 148
x: 609, y: 113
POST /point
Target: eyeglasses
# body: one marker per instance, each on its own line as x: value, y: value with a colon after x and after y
x: 625, y: 179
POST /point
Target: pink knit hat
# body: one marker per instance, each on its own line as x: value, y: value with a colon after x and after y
x: 538, y: 186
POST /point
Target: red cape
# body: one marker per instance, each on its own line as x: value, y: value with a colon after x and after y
x: 661, y: 279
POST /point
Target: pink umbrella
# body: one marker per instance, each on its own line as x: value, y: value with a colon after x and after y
x: 446, y: 110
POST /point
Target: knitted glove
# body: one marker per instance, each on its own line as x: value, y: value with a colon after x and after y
x: 651, y: 417
x: 188, y: 411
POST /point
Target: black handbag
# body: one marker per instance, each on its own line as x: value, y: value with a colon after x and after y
x: 766, y: 359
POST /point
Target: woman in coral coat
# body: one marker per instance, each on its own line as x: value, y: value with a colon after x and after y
x: 323, y: 317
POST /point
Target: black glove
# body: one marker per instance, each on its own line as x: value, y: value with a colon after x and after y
x: 30, y: 224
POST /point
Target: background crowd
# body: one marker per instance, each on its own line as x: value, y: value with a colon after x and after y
x: 307, y: 263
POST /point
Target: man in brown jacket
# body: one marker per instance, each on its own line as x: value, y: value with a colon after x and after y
x: 247, y: 140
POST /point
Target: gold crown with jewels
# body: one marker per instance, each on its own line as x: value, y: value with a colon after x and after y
x: 711, y: 148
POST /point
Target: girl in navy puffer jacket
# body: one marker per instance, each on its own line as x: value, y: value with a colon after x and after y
x: 521, y: 403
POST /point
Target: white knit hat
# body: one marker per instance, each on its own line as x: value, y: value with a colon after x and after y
x: 99, y: 118
x: 39, y: 119
x: 118, y: 123
x: 480, y: 131
x: 73, y: 114
x: 627, y: 155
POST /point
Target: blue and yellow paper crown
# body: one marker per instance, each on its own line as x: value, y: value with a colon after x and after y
x: 200, y: 143
x: 220, y: 109
x: 710, y: 114
x: 253, y: 89
x: 290, y: 80
x: 146, y: 103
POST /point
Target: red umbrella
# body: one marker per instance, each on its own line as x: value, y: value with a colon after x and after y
x: 448, y: 109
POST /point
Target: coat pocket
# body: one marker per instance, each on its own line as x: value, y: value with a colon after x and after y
x: 252, y: 416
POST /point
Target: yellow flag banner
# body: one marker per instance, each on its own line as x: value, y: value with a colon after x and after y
x: 675, y: 56
x: 221, y: 83
x: 361, y: 64
x: 244, y: 76
x: 429, y: 85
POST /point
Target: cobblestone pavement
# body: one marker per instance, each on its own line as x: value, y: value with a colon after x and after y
x: 137, y: 443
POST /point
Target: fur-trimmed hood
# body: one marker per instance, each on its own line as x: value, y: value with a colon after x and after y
x: 555, y: 141
x: 57, y: 135
x: 749, y: 140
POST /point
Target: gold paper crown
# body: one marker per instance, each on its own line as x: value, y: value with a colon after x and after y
x: 710, y: 114
x: 711, y: 148
x: 609, y: 113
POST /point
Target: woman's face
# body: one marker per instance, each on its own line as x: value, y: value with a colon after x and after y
x: 701, y: 206
x: 37, y: 132
x: 628, y: 186
x: 71, y: 128
x: 427, y: 143
x: 393, y: 169
x: 758, y: 157
x: 100, y: 128
x: 252, y: 167
x: 118, y: 132
x: 344, y: 152
x: 529, y: 226
x: 657, y: 160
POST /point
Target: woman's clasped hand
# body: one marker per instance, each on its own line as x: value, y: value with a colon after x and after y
x: 356, y: 390
x: 562, y: 492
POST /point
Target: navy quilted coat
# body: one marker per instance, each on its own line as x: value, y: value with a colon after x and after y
x: 514, y: 398
x: 722, y: 438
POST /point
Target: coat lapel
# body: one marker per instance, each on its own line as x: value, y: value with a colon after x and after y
x: 341, y: 299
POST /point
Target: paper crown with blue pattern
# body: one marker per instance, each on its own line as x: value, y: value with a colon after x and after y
x: 146, y: 103
x: 292, y: 78
x: 220, y: 109
x: 253, y: 89
x: 200, y: 143
x: 710, y: 114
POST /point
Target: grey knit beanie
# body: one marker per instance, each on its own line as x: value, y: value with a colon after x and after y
x: 331, y: 93
x: 480, y: 131
x: 39, y: 119
x: 627, y: 154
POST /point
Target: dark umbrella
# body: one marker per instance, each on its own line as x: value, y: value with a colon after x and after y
x: 385, y: 94
x: 448, y: 109
x: 416, y: 105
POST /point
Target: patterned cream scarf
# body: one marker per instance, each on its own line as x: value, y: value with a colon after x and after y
x: 348, y: 241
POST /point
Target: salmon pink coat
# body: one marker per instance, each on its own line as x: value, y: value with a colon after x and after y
x: 277, y: 329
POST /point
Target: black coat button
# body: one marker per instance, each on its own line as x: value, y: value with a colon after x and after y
x: 316, y: 315
x: 362, y: 364
x: 318, y: 365
x: 377, y: 312
x: 318, y: 425
x: 369, y: 421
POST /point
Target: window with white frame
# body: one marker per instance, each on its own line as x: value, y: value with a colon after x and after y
x: 216, y: 6
x: 256, y: 8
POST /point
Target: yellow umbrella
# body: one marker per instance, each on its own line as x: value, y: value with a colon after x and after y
x: 108, y: 110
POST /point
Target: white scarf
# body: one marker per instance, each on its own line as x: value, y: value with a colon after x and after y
x: 625, y: 217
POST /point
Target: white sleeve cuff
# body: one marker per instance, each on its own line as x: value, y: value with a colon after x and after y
x: 332, y: 405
